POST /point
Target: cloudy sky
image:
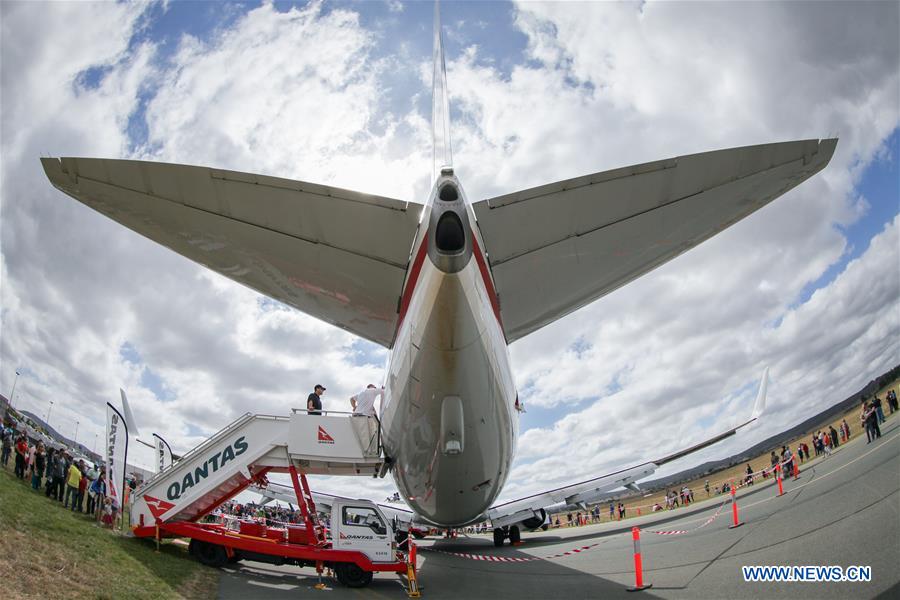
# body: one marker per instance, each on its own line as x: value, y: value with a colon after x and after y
x: 339, y: 93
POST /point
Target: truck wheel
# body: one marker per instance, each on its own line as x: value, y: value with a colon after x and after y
x: 499, y: 536
x: 211, y: 555
x: 351, y: 575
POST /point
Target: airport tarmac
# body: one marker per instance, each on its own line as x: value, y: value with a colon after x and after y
x: 844, y: 510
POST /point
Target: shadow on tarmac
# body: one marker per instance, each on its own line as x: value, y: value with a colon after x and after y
x: 448, y: 574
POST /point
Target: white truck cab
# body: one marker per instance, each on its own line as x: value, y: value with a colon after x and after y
x: 360, y: 525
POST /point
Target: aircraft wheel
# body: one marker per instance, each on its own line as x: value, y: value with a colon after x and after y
x: 499, y: 536
x: 351, y: 575
x: 514, y: 535
x: 211, y: 555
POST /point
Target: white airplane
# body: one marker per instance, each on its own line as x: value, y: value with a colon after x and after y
x: 448, y: 284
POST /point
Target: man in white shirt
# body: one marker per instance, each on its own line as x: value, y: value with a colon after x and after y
x: 363, y: 405
x: 364, y: 402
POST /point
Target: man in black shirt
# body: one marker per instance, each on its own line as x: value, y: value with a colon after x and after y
x: 314, y: 401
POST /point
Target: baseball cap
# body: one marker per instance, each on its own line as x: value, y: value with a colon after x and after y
x: 319, y: 385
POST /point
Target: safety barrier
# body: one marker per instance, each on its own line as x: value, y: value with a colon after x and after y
x: 512, y: 559
x: 683, y: 531
x: 734, y: 510
x: 638, y: 567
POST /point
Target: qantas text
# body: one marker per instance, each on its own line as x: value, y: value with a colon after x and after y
x: 216, y: 461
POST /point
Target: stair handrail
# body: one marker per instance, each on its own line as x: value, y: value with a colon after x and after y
x: 176, y: 464
x: 325, y: 413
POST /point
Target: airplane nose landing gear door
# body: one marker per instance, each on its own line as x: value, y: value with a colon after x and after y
x: 452, y: 425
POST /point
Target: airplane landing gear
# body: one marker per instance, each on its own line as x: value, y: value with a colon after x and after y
x: 499, y: 536
x: 513, y: 533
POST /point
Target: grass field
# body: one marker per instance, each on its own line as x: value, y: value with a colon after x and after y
x: 49, y: 552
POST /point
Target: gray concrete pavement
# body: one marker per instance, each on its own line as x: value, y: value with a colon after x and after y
x: 844, y: 510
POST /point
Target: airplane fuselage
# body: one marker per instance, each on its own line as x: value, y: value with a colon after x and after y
x: 449, y: 416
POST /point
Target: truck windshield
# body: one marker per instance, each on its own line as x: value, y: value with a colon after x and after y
x: 360, y: 516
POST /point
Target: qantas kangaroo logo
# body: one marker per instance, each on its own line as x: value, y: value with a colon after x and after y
x: 324, y: 438
x: 157, y: 507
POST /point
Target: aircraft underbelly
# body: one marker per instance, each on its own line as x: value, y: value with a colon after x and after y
x: 455, y: 350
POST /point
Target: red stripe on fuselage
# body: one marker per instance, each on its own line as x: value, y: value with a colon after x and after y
x: 414, y: 271
x: 486, y: 277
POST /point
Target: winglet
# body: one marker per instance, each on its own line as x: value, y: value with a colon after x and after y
x: 760, y: 405
x: 129, y: 416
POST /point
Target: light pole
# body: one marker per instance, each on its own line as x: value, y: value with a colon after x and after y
x: 49, y: 410
x: 96, y: 435
x: 75, y: 441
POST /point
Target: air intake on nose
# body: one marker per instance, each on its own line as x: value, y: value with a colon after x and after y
x: 449, y: 235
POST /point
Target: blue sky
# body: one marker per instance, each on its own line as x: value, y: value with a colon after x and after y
x: 539, y: 92
x: 879, y: 186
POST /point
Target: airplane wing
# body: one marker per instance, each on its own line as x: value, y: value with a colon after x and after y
x: 555, y: 248
x: 532, y: 510
x: 337, y: 255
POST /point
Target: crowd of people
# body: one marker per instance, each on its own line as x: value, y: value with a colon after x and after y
x: 272, y: 515
x: 78, y: 485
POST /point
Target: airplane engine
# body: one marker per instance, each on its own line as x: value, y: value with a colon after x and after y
x: 536, y: 521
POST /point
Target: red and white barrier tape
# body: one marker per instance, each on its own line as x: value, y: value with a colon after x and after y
x: 515, y: 559
x: 682, y: 531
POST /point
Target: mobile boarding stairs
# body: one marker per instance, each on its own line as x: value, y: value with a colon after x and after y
x: 171, y: 503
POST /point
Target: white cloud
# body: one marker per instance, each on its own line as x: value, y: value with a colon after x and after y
x: 302, y: 94
x: 823, y: 351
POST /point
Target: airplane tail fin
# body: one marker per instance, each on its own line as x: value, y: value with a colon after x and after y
x: 442, y: 154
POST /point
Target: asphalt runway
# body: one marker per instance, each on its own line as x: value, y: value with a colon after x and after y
x: 844, y: 510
